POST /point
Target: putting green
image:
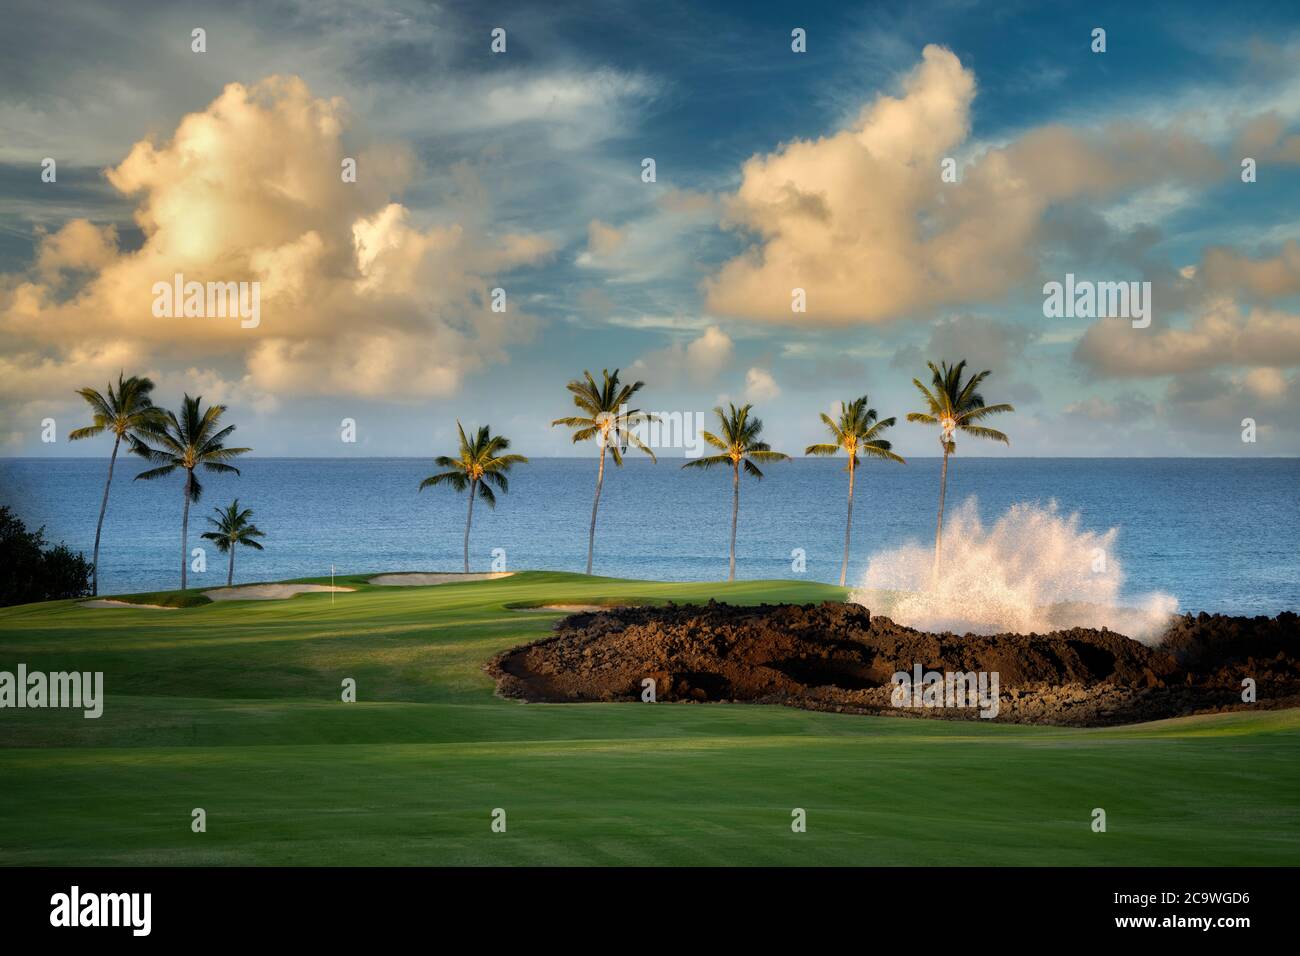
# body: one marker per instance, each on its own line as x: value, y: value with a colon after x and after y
x: 235, y: 707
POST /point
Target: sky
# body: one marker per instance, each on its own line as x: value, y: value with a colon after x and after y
x: 774, y: 170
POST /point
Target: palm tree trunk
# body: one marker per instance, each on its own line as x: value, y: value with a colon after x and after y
x: 938, y: 531
x: 230, y: 575
x: 600, y: 480
x: 473, y: 486
x: 735, y: 514
x: 185, y: 528
x: 848, y: 526
x: 99, y: 527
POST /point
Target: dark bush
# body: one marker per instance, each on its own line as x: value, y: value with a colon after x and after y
x: 29, y: 571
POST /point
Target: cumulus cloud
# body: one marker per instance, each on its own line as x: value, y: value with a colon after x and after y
x: 760, y: 386
x: 1226, y: 271
x: 1235, y: 323
x: 710, y: 353
x: 1269, y: 384
x: 1223, y: 335
x: 1219, y: 403
x: 356, y: 298
x: 861, y: 220
x: 701, y: 359
x: 78, y: 245
x: 30, y: 377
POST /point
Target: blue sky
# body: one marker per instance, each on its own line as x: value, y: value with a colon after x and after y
x: 522, y: 171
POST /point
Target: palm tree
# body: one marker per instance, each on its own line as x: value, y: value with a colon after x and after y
x: 479, y: 465
x: 186, y: 442
x: 955, y: 407
x: 233, y: 527
x: 610, y: 422
x: 739, y: 445
x: 856, y: 432
x: 125, y: 412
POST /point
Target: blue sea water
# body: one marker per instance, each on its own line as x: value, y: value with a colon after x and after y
x: 1218, y: 534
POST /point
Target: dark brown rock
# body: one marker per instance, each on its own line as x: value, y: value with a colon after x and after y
x: 840, y: 657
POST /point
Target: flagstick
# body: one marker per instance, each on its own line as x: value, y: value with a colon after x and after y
x: 331, y: 585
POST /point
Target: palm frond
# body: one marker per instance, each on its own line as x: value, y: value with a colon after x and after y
x: 981, y: 432
x: 456, y: 479
x: 153, y: 473
x: 822, y: 450
x: 984, y: 411
x: 713, y: 440
x: 709, y: 461
x: 880, y: 449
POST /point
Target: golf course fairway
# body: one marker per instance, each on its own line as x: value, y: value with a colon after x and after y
x: 234, y: 707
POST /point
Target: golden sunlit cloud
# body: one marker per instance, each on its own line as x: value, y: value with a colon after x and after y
x: 864, y: 223
x: 355, y: 298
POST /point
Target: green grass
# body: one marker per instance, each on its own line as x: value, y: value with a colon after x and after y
x: 234, y: 707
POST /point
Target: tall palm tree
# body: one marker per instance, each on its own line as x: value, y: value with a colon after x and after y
x: 188, y: 441
x: 609, y: 421
x: 126, y: 411
x: 739, y: 446
x: 955, y: 406
x: 478, y: 465
x: 856, y: 432
x: 233, y: 527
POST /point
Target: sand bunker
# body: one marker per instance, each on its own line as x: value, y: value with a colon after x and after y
x: 267, y: 592
x: 422, y: 580
x: 106, y: 602
x: 839, y: 657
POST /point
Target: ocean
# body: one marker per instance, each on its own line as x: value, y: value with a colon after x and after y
x: 1216, y: 534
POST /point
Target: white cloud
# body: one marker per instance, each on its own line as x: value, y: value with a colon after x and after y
x: 861, y: 220
x: 355, y: 300
x: 1223, y: 335
x: 760, y: 386
x: 700, y: 360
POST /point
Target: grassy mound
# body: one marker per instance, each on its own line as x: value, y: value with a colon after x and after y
x: 189, y: 598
